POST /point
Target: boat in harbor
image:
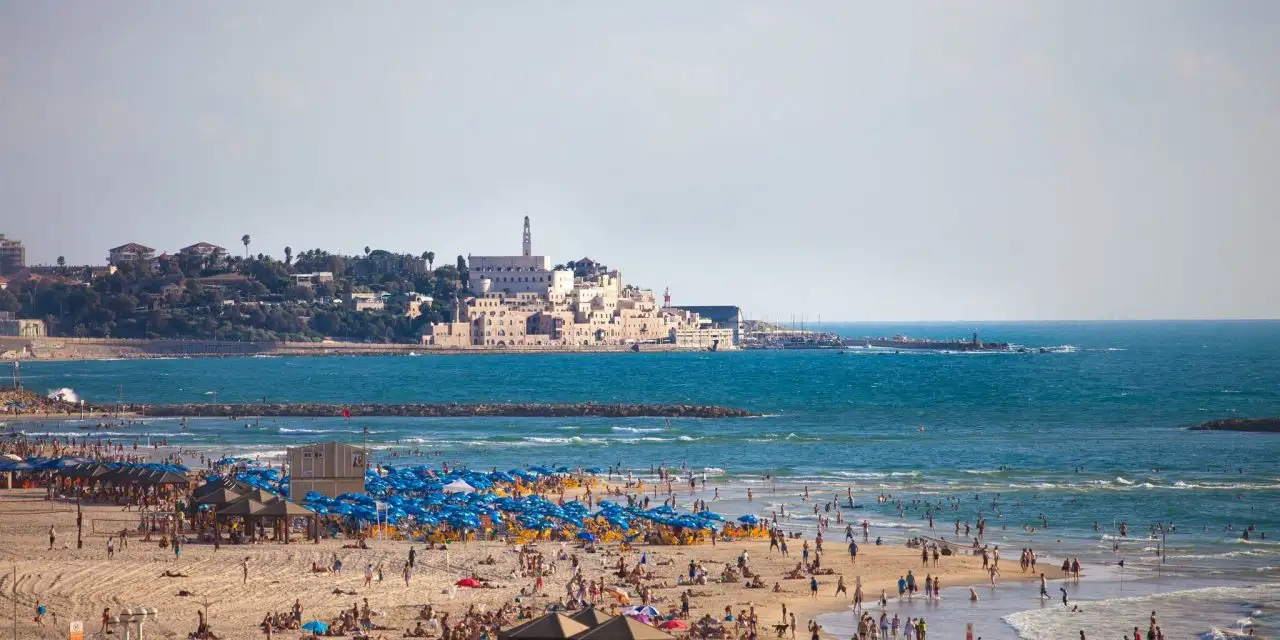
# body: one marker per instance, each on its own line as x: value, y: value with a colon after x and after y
x: 925, y: 344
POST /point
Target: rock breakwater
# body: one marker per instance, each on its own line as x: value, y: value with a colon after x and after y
x: 519, y: 410
x: 1261, y: 425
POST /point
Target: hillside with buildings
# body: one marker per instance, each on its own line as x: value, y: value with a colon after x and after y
x: 205, y: 292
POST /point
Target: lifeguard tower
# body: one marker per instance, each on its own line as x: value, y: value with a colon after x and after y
x: 328, y: 468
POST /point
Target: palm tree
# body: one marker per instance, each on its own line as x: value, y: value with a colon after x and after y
x: 366, y: 252
x: 245, y: 240
x: 288, y: 255
x: 62, y: 263
x: 430, y: 257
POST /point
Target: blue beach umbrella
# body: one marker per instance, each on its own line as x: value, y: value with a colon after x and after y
x: 316, y: 627
x: 586, y: 535
x: 749, y: 519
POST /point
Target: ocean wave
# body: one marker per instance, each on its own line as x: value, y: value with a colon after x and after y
x: 638, y: 429
x: 87, y: 433
x: 1187, y: 608
x: 1122, y: 480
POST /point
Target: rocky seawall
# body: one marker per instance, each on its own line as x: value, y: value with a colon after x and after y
x: 521, y: 410
x: 1259, y: 425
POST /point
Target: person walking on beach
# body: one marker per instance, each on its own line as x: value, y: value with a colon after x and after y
x: 840, y: 588
x: 244, y: 567
x: 413, y: 555
x: 53, y: 536
x: 408, y: 573
x: 368, y: 574
x: 857, y: 596
x: 1064, y: 595
x: 40, y: 613
x: 813, y: 587
x: 111, y: 547
x: 106, y: 620
x: 1044, y: 587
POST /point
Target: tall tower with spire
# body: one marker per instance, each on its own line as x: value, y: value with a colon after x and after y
x: 528, y: 238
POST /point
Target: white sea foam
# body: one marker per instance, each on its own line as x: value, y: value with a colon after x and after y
x: 637, y: 429
x: 1185, y: 613
x: 1122, y: 480
x: 66, y: 393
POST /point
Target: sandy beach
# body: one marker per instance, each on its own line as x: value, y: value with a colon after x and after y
x: 76, y: 584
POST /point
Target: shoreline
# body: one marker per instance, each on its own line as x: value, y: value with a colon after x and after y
x: 77, y: 583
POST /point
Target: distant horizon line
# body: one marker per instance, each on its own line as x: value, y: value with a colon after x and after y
x: 1058, y: 321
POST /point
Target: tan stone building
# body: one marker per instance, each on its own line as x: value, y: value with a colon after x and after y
x: 522, y: 302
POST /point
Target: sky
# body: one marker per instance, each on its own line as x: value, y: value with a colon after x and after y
x: 918, y: 160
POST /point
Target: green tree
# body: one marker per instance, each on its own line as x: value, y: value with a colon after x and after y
x: 430, y: 257
x: 8, y: 301
x: 288, y: 255
x: 245, y: 239
x: 366, y: 252
x: 62, y: 263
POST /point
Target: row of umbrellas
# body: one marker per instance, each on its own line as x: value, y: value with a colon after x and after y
x: 112, y: 472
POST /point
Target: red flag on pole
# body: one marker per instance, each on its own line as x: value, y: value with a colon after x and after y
x: 346, y: 413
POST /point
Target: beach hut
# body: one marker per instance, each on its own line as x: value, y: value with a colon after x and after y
x: 623, y: 628
x: 329, y: 468
x: 553, y: 626
x: 592, y: 617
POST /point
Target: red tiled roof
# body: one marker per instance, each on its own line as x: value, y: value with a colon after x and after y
x: 134, y: 247
x: 203, y: 246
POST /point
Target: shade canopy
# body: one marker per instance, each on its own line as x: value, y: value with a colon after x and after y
x: 245, y: 506
x: 553, y: 626
x: 591, y: 616
x: 220, y: 496
x: 284, y: 508
x: 624, y: 628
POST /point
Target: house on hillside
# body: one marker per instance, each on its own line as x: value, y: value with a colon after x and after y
x: 130, y: 253
x: 205, y: 250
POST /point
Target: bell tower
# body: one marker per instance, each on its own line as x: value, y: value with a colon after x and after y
x: 528, y: 238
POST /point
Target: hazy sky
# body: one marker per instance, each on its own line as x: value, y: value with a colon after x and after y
x: 860, y: 160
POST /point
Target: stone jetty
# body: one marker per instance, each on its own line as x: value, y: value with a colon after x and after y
x: 519, y: 410
x: 1260, y: 425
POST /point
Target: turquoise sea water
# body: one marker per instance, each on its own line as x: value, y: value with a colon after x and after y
x: 1093, y: 431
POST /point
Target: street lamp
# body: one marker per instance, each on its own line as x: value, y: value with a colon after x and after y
x: 134, y: 616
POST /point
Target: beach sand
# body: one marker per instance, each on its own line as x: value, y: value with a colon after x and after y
x: 77, y: 583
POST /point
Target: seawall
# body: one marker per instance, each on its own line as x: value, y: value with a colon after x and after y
x: 521, y: 410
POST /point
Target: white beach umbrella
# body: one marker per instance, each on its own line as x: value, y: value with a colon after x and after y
x: 459, y: 486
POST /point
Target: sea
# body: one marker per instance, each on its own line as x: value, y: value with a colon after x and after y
x: 1055, y: 447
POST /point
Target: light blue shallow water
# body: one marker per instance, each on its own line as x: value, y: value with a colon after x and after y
x: 1112, y: 401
